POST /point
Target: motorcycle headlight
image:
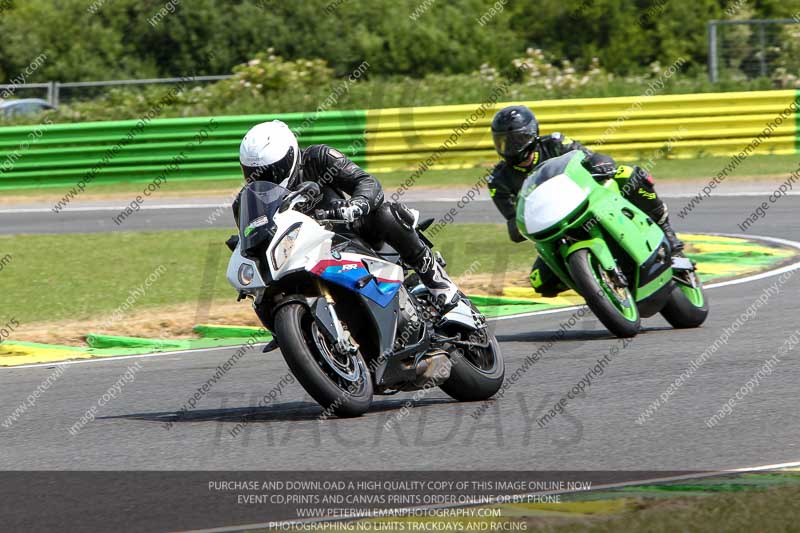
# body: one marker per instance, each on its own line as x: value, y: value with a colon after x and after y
x: 282, y: 250
x: 246, y: 274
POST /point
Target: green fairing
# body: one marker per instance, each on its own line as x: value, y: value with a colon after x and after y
x: 615, y: 231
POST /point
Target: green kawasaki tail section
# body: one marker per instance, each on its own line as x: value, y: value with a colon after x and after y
x: 141, y: 150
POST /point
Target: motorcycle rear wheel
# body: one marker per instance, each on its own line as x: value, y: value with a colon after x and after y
x: 342, y: 385
x: 477, y: 373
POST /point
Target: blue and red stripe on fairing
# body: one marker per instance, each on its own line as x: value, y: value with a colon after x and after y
x: 346, y: 273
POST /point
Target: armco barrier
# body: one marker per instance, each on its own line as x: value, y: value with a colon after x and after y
x: 628, y: 128
x: 64, y: 154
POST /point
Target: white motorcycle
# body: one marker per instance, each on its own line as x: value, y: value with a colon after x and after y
x: 349, y: 320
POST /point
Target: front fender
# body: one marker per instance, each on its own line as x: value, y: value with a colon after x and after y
x: 599, y: 249
x: 266, y: 314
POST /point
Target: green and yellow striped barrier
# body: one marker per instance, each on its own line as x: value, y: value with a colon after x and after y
x: 631, y: 128
x: 454, y: 136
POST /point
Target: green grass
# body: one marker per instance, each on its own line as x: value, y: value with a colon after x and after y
x: 745, y: 512
x: 769, y: 510
x: 662, y: 170
x: 78, y: 276
x: 707, y: 167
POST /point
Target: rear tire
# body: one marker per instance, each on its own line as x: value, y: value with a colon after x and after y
x: 477, y: 374
x: 469, y: 383
x: 294, y: 328
x: 597, y: 298
x: 681, y: 313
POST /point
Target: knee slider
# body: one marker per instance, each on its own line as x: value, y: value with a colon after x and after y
x: 643, y: 179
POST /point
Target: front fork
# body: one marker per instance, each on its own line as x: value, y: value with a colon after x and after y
x: 324, y: 312
x: 602, y: 254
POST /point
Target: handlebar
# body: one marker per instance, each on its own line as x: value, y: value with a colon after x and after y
x: 328, y: 216
x: 322, y: 214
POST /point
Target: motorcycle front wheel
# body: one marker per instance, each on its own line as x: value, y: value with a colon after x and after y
x: 687, y: 306
x: 341, y: 384
x: 613, y: 305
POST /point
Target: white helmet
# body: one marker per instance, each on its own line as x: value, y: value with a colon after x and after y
x: 269, y: 152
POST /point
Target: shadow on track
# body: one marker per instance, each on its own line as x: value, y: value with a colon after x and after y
x: 571, y: 335
x: 297, y: 411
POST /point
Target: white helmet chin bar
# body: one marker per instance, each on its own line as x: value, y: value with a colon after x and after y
x: 268, y: 143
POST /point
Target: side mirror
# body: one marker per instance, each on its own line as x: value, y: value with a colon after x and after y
x: 308, y: 193
x: 232, y: 242
x: 310, y: 188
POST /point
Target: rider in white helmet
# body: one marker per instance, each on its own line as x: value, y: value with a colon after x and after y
x: 270, y: 152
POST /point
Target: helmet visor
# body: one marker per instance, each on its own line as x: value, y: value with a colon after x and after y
x: 278, y: 172
x: 512, y: 145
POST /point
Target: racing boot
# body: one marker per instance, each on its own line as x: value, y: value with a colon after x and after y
x: 433, y: 276
x: 674, y: 242
x: 544, y: 281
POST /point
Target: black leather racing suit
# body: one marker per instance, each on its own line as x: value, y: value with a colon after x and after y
x: 506, y: 180
x: 339, y: 178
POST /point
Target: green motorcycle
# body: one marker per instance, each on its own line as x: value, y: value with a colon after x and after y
x: 606, y: 249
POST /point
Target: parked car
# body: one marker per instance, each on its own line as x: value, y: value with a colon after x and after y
x: 24, y: 106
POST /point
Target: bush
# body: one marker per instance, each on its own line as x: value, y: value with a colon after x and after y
x: 270, y: 84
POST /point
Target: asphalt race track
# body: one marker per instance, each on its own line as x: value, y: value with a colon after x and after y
x: 598, y: 431
x: 717, y: 214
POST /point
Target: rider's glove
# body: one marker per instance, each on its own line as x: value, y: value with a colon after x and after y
x: 351, y: 210
x: 601, y: 166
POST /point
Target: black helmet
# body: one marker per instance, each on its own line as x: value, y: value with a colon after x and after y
x: 515, y: 131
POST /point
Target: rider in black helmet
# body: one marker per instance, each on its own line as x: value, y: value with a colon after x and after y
x: 515, y: 131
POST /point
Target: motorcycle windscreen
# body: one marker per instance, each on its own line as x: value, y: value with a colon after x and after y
x: 259, y: 203
x: 552, y: 168
x: 548, y: 195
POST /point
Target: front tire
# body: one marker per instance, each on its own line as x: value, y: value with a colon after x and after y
x: 341, y: 385
x: 614, y: 306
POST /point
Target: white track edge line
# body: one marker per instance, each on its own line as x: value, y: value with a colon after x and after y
x: 88, y: 209
x: 110, y: 359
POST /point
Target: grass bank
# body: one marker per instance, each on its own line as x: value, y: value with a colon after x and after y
x: 85, y: 276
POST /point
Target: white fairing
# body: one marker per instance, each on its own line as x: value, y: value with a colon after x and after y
x: 312, y: 245
x: 234, y: 264
x: 551, y: 202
